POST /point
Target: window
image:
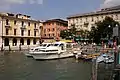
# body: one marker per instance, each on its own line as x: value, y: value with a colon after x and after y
x: 52, y: 23
x: 22, y: 32
x: 34, y: 33
x: 76, y: 20
x: 28, y: 32
x: 22, y: 41
x: 86, y: 19
x: 28, y: 41
x: 44, y: 30
x: 28, y: 23
x: 34, y: 25
x: 7, y: 31
x: 14, y: 42
x: 7, y: 22
x: 81, y: 20
x: 22, y: 23
x: 102, y: 17
x: 53, y: 29
x: 92, y: 19
x: 48, y: 29
x: 44, y: 34
x: 14, y: 31
x: 6, y: 42
x: 97, y: 18
x: 116, y: 16
x: 49, y: 35
x: 15, y: 22
x: 112, y: 16
x: 53, y: 34
x: 34, y: 41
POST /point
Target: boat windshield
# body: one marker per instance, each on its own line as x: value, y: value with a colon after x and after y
x: 56, y: 44
x: 44, y: 45
x: 49, y: 45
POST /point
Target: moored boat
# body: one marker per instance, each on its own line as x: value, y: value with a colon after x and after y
x: 57, y: 51
x: 42, y: 46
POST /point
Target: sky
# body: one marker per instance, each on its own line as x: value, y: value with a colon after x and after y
x: 49, y: 9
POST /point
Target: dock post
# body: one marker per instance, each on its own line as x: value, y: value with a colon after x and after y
x: 2, y: 47
x: 94, y: 69
x: 20, y: 47
x: 9, y: 48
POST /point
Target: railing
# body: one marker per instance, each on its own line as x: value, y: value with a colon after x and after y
x: 23, y: 27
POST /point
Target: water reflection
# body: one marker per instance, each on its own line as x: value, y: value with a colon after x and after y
x: 16, y: 66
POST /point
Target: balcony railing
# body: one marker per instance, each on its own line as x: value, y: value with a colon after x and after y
x: 36, y: 28
x: 23, y: 27
x: 8, y: 26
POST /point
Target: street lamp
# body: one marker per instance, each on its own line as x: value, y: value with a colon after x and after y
x: 109, y: 32
x: 116, y: 25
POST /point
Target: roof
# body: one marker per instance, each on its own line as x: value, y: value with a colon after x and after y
x: 112, y: 8
x: 94, y: 13
x: 57, y: 20
x: 4, y: 15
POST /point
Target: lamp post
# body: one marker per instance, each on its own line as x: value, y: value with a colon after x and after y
x: 116, y: 55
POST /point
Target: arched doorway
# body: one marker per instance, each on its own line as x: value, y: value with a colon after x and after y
x: 22, y: 41
x: 6, y: 42
x: 14, y: 42
x: 28, y: 41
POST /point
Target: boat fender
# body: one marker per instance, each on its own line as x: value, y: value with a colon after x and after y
x: 76, y: 56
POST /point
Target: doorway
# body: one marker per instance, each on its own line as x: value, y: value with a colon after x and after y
x: 6, y: 42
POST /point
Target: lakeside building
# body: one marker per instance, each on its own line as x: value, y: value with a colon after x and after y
x: 52, y: 28
x: 18, y: 30
x: 87, y: 20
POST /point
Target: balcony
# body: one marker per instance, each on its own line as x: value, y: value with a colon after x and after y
x: 86, y: 24
x: 36, y: 29
x: 23, y: 27
x: 8, y: 26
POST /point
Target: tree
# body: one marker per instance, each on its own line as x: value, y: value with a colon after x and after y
x: 64, y: 33
x: 73, y: 30
x: 103, y: 29
x: 68, y: 33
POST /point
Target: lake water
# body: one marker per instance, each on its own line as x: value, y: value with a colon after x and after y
x: 16, y: 66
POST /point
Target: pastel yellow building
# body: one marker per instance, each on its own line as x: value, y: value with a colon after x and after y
x: 18, y: 30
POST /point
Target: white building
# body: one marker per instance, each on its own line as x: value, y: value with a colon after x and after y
x: 87, y: 20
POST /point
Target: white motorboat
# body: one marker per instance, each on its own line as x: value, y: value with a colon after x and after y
x: 101, y: 58
x: 57, y: 51
x: 42, y: 46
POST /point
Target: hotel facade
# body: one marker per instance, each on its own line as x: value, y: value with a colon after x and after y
x: 18, y: 31
x: 53, y: 27
x: 87, y: 20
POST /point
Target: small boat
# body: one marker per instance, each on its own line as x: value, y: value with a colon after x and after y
x: 101, y: 58
x: 42, y: 46
x: 106, y: 58
x: 109, y: 59
x: 57, y: 51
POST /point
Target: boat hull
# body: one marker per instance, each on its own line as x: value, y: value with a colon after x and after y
x: 51, y: 57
